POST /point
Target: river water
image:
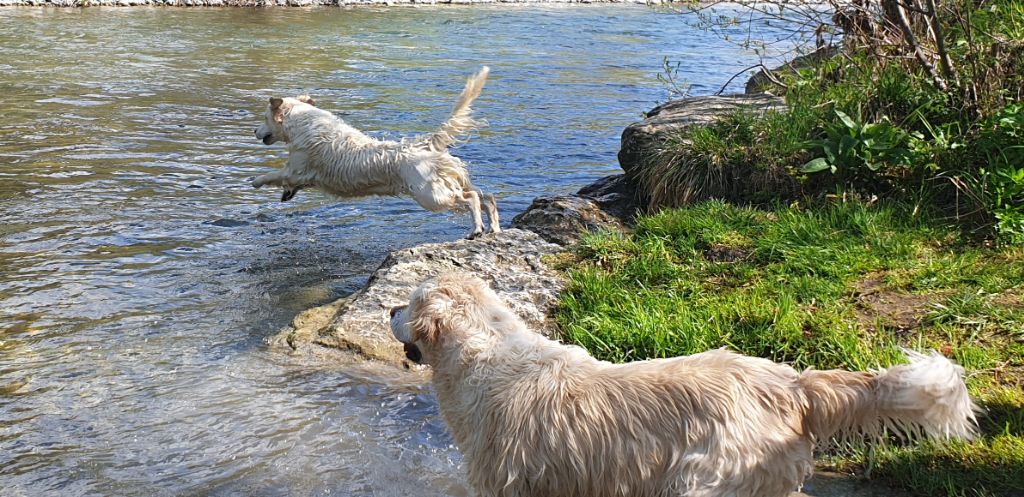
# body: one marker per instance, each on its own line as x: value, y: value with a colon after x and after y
x: 140, y: 273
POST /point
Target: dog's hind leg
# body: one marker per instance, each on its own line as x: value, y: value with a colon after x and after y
x: 492, y: 211
x: 472, y: 200
x: 436, y: 197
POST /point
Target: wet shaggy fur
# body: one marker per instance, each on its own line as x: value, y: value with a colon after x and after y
x: 328, y: 154
x: 537, y: 418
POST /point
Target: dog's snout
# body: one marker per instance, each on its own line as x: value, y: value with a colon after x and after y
x: 396, y: 310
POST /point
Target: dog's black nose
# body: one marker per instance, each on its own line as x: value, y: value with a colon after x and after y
x: 396, y: 310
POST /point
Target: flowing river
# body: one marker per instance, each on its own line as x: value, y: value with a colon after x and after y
x: 140, y: 273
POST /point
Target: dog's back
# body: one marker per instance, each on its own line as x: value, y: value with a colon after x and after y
x: 711, y: 424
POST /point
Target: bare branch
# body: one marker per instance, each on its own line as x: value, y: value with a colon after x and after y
x: 734, y: 76
x: 940, y: 43
x: 908, y: 34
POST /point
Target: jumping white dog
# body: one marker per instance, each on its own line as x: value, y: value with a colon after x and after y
x: 536, y: 418
x: 328, y: 154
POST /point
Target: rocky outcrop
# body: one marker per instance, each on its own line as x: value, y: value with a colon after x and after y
x: 639, y: 139
x: 610, y: 203
x: 512, y: 262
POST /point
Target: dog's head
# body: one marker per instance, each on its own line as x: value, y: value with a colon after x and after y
x: 272, y: 129
x: 446, y: 314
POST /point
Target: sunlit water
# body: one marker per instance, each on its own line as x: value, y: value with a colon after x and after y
x: 140, y: 273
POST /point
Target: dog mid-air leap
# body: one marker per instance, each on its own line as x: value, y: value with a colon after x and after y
x: 326, y: 153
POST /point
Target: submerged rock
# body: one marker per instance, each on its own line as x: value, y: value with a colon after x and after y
x: 610, y: 203
x: 228, y: 223
x: 510, y: 262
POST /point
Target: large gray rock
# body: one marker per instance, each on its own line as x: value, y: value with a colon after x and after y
x: 642, y: 138
x: 610, y: 203
x: 510, y: 261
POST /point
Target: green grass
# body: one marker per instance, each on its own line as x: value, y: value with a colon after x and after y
x: 828, y: 287
x: 875, y: 124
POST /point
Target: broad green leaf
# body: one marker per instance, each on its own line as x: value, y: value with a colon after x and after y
x: 816, y: 165
x: 847, y: 120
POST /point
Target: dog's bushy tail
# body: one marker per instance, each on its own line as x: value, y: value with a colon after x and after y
x: 926, y: 397
x: 460, y: 121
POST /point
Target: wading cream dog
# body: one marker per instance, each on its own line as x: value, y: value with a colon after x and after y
x: 536, y: 418
x: 326, y: 153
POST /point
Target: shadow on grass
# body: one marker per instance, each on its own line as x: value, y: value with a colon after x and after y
x: 1002, y: 417
x: 989, y: 466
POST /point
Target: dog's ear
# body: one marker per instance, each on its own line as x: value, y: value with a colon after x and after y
x: 277, y: 108
x: 434, y: 312
x: 306, y: 99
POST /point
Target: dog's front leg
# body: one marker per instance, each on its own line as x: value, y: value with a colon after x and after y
x: 295, y: 174
x: 274, y: 178
x: 279, y: 178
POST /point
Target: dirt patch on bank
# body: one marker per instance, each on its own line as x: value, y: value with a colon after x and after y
x: 882, y: 308
x: 1010, y: 299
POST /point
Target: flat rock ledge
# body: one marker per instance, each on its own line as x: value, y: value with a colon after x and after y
x: 282, y: 3
x: 511, y: 262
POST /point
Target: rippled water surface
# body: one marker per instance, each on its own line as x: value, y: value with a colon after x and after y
x: 139, y: 272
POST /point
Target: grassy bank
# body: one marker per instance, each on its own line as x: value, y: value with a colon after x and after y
x: 875, y: 120
x: 842, y: 285
x: 921, y: 106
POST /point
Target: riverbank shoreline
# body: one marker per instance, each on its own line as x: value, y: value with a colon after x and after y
x: 301, y: 3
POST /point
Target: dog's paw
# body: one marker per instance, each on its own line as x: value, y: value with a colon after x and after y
x: 474, y: 235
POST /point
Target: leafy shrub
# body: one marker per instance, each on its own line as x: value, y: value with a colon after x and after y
x: 933, y: 119
x: 851, y: 146
x: 1002, y: 145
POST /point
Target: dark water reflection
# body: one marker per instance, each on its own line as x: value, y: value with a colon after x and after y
x: 139, y: 273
